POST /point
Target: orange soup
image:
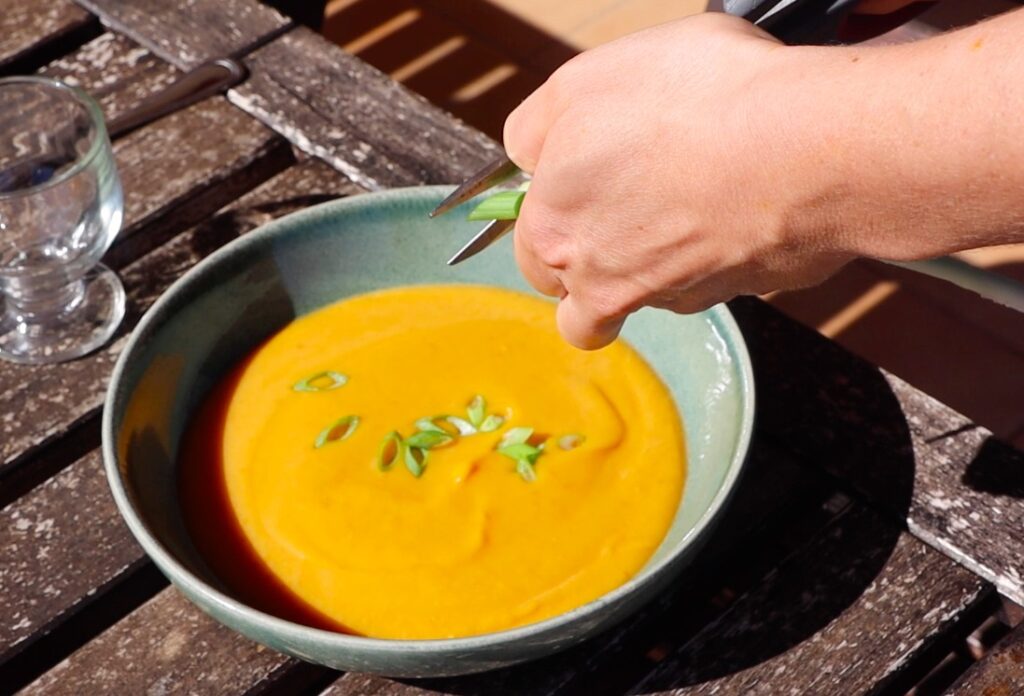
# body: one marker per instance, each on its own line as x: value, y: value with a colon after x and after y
x: 431, y: 462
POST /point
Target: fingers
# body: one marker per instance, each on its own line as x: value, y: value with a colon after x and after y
x: 527, y: 127
x: 542, y: 277
x: 584, y: 328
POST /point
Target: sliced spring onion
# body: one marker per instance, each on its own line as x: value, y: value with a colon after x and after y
x: 327, y: 380
x: 521, y: 450
x: 463, y: 426
x: 515, y: 436
x: 491, y: 423
x: 525, y: 469
x: 501, y: 206
x: 428, y: 439
x: 571, y: 441
x: 428, y: 425
x: 389, y: 451
x: 415, y: 460
x: 475, y: 409
x: 449, y: 425
x: 340, y: 429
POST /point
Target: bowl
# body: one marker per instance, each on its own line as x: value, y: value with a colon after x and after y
x: 225, y: 306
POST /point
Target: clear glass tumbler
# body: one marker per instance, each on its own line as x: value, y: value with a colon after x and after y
x: 61, y: 206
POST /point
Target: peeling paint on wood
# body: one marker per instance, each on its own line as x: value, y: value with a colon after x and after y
x: 28, y: 25
x: 225, y: 150
x: 58, y: 545
x: 332, y: 105
x: 116, y: 72
x: 165, y: 646
x: 65, y: 540
x: 186, y: 33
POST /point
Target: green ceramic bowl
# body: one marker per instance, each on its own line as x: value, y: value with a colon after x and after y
x: 245, y: 292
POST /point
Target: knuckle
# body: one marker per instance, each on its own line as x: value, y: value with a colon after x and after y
x: 542, y: 236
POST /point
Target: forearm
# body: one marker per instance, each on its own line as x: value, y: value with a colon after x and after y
x: 917, y: 150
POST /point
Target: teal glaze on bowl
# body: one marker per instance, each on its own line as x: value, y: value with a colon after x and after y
x: 221, y: 309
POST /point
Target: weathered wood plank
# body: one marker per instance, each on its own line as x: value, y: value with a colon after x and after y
x: 27, y: 26
x: 847, y: 614
x: 175, y: 172
x: 116, y: 72
x: 41, y: 402
x: 226, y: 153
x: 778, y: 507
x: 165, y: 646
x: 186, y: 33
x: 63, y: 545
x: 68, y: 531
x: 338, y: 108
x: 1000, y: 673
x: 959, y: 489
x: 60, y: 545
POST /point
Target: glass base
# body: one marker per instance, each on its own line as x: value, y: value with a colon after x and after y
x: 86, y: 325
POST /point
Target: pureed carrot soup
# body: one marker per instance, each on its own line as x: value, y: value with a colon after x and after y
x: 431, y: 462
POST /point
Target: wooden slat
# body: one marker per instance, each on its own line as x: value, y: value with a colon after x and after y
x: 64, y: 542
x: 959, y: 488
x: 847, y: 614
x: 27, y: 26
x: 118, y: 73
x: 63, y: 545
x: 186, y: 33
x: 166, y: 646
x: 175, y: 172
x: 336, y: 107
x: 60, y: 546
x: 778, y: 507
x: 1000, y: 673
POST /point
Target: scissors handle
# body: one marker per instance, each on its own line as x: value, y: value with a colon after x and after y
x: 794, y: 21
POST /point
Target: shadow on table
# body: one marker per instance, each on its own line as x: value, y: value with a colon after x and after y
x: 819, y: 410
x: 996, y: 469
x: 839, y: 414
x: 965, y: 351
x: 472, y: 58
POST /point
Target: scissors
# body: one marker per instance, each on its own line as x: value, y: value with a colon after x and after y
x: 792, y: 21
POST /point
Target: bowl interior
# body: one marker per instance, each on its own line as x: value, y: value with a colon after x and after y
x: 247, y: 291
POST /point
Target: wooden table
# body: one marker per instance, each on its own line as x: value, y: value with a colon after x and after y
x: 874, y: 529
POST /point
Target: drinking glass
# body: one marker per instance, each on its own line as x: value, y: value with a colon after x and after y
x: 61, y: 206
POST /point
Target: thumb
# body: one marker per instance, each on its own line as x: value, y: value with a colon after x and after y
x: 527, y: 127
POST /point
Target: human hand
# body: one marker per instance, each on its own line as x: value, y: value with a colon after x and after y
x: 664, y: 176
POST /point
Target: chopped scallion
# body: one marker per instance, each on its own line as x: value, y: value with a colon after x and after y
x: 501, y: 206
x: 525, y: 469
x: 337, y: 431
x: 476, y: 409
x: 389, y: 451
x: 415, y: 460
x: 571, y: 441
x: 326, y: 380
x: 491, y: 423
x: 428, y: 439
x: 515, y: 436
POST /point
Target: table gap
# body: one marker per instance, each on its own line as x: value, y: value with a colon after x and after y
x: 38, y: 464
x: 296, y: 679
x: 717, y: 591
x: 927, y: 659
x: 60, y: 46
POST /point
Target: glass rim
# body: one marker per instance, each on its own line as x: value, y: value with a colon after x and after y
x: 99, y: 139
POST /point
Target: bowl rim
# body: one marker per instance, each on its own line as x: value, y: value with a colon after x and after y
x: 180, y: 575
